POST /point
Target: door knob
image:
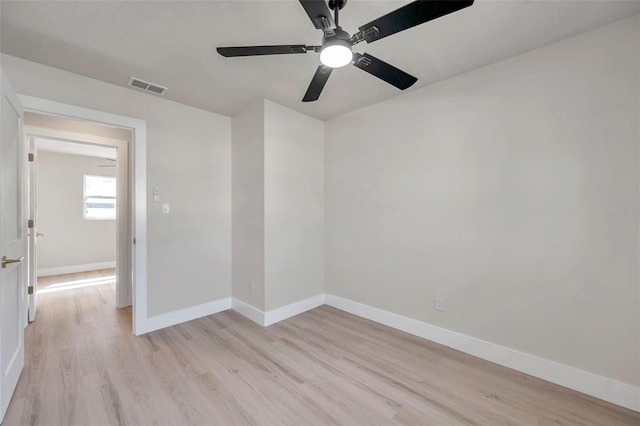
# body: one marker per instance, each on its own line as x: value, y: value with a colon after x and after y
x: 39, y: 234
x: 6, y: 261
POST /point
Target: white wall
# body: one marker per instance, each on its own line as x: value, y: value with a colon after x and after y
x: 494, y: 189
x: 69, y: 239
x: 293, y: 205
x: 278, y: 206
x: 188, y: 159
x: 248, y: 205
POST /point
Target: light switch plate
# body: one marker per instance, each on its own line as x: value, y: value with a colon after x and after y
x: 165, y: 208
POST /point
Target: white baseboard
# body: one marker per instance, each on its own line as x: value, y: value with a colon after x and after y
x: 184, y: 315
x: 293, y: 309
x: 44, y: 272
x: 243, y: 308
x: 601, y: 387
x: 273, y: 316
x: 248, y: 311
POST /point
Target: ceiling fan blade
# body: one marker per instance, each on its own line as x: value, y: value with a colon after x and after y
x: 414, y: 13
x: 317, y: 83
x: 282, y: 49
x: 383, y: 71
x: 319, y: 14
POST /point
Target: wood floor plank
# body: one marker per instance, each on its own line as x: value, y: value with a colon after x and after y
x: 323, y: 367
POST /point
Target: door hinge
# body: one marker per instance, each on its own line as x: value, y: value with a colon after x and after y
x: 30, y: 289
x: 30, y: 223
x: 30, y: 157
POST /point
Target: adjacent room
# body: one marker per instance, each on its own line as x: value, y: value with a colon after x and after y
x: 73, y: 200
x: 422, y: 213
x: 76, y: 206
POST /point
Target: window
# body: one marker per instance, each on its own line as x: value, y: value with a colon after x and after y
x: 99, y: 197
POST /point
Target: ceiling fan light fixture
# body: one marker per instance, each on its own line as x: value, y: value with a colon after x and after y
x: 336, y: 53
x: 337, y: 44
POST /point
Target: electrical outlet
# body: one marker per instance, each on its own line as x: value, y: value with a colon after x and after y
x: 439, y: 305
x: 156, y: 194
x: 252, y: 288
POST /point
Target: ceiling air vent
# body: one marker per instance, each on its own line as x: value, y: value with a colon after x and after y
x: 146, y: 86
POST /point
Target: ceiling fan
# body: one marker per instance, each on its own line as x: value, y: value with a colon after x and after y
x: 335, y: 51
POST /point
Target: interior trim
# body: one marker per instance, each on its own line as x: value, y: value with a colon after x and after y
x: 138, y: 175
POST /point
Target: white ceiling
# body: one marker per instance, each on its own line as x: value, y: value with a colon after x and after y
x: 172, y: 43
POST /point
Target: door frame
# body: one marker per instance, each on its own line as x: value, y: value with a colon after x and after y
x: 32, y: 276
x: 123, y: 218
x: 137, y: 189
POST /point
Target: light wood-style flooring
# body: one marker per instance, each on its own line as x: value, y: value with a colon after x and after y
x: 84, y: 367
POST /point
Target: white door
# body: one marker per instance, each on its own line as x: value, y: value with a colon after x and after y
x: 33, y: 234
x: 12, y: 244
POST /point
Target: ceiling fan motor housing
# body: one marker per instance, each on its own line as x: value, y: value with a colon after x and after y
x: 339, y: 3
x: 337, y: 34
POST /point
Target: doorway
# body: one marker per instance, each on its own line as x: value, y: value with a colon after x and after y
x: 75, y: 202
x: 136, y: 168
x: 84, y: 201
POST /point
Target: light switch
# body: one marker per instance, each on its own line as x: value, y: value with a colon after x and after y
x: 165, y: 208
x: 156, y: 194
